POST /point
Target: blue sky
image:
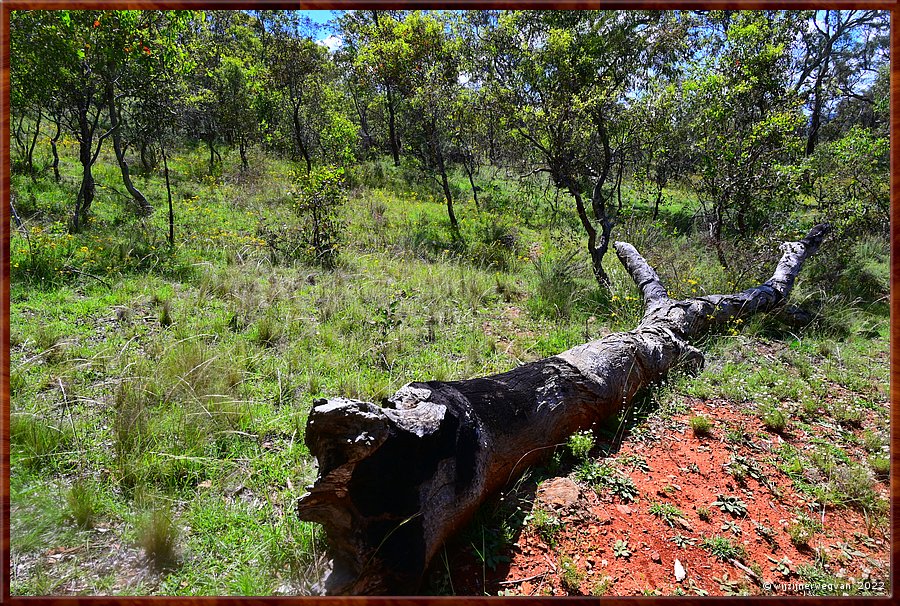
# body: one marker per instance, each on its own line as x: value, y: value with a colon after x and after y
x: 321, y: 17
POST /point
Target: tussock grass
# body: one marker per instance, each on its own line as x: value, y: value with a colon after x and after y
x: 158, y: 535
x: 197, y: 394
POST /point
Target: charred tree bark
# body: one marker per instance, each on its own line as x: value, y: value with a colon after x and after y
x: 396, y: 482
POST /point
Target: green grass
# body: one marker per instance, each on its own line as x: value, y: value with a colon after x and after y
x: 159, y: 394
x: 701, y: 426
x: 723, y: 548
x: 667, y: 512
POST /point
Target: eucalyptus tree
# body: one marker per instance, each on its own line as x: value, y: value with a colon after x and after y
x: 744, y: 125
x: 431, y: 86
x: 839, y: 53
x: 297, y: 68
x: 375, y: 52
x: 56, y: 50
x: 560, y: 78
x: 661, y: 154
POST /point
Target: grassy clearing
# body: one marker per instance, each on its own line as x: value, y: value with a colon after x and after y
x: 159, y: 393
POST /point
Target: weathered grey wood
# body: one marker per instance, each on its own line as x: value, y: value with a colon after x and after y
x: 396, y: 482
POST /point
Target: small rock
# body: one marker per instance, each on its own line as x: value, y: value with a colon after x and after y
x: 680, y: 573
x: 654, y: 556
x: 558, y: 493
x: 624, y: 509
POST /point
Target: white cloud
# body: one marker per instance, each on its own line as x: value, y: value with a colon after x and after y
x: 332, y: 42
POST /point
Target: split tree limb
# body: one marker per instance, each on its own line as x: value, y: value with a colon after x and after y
x: 396, y: 482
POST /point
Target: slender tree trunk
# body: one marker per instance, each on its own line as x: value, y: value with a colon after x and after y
x: 17, y: 134
x: 445, y: 184
x: 659, y: 195
x: 214, y: 155
x: 55, y: 151
x: 396, y: 482
x: 86, y: 191
x: 716, y: 234
x: 242, y: 148
x: 29, y: 159
x: 299, y: 138
x: 468, y: 167
x: 595, y: 250
x: 148, y: 156
x: 168, y: 196
x: 392, y: 127
x: 363, y: 121
x: 115, y: 126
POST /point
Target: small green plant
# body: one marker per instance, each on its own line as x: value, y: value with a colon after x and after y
x: 881, y: 466
x: 847, y: 552
x: 623, y: 487
x: 547, y: 525
x: 735, y: 436
x: 593, y: 472
x: 158, y: 535
x: 782, y: 566
x: 802, y: 530
x: 704, y: 514
x: 730, y: 586
x: 774, y: 420
x: 269, y: 331
x: 682, y: 541
x: 318, y: 202
x: 165, y: 312
x: 668, y: 513
x: 621, y: 550
x: 701, y: 426
x: 738, y: 472
x: 635, y: 463
x: 767, y: 533
x: 732, y: 526
x: 723, y: 548
x: 80, y: 499
x: 692, y: 585
x: 846, y: 414
x: 489, y: 549
x: 39, y: 440
x: 872, y: 441
x: 580, y: 444
x: 731, y: 505
x: 601, y: 587
x: 570, y: 576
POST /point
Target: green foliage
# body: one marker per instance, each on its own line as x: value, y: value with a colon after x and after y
x: 81, y: 500
x: 558, y: 290
x: 723, y: 548
x: 731, y: 504
x: 848, y: 180
x: 774, y: 420
x: 570, y: 576
x: 620, y: 549
x: 580, y: 444
x: 701, y: 426
x: 318, y: 201
x: 802, y: 529
x: 158, y: 535
x: 681, y: 541
x: 667, y: 512
x: 547, y: 525
x: 41, y: 442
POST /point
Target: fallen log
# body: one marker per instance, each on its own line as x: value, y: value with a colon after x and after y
x: 395, y: 482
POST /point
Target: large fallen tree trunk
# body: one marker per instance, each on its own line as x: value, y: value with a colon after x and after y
x: 396, y: 482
